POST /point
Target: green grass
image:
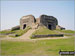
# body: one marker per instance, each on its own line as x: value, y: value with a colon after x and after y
x: 43, y: 30
x: 67, y: 31
x: 18, y: 32
x: 5, y: 31
x: 40, y: 47
x: 21, y: 32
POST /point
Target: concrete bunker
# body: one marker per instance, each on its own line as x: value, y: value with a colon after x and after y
x: 44, y: 20
x: 26, y: 21
x: 49, y: 21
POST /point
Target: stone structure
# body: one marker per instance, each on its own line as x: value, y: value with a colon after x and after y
x: 48, y: 21
x: 28, y: 20
x: 59, y: 27
x: 15, y: 28
x: 49, y: 35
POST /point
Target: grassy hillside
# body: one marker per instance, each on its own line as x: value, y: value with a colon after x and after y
x: 43, y: 30
x: 67, y: 31
x: 18, y: 32
x: 40, y: 47
x: 21, y: 32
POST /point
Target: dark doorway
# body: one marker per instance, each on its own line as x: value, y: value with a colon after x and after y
x: 49, y: 27
x: 24, y: 26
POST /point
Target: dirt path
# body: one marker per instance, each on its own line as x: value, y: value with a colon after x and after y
x: 27, y: 35
x: 24, y: 37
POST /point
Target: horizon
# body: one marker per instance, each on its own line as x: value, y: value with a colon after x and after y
x: 12, y: 11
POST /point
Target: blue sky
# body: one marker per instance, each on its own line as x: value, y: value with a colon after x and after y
x: 12, y: 11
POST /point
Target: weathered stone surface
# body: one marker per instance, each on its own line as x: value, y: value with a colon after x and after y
x: 62, y: 28
x: 28, y: 20
x: 49, y: 21
x: 59, y: 27
x: 16, y: 28
x: 37, y: 20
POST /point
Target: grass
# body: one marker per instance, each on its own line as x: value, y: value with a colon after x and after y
x: 6, y: 32
x: 40, y: 47
x: 43, y: 30
x: 18, y: 32
x: 67, y: 31
x: 21, y: 32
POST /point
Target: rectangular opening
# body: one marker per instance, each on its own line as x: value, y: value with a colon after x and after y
x: 24, y: 26
x: 50, y: 27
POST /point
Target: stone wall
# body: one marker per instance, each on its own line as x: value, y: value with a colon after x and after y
x: 49, y: 35
x: 15, y: 28
x: 60, y: 28
x: 25, y: 21
x: 49, y: 21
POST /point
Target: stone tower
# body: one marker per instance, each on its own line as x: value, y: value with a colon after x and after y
x: 49, y: 21
x: 25, y: 21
